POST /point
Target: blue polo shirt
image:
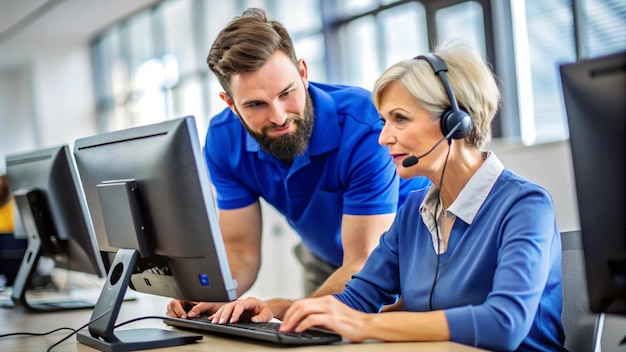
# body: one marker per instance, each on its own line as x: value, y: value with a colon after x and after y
x: 343, y: 171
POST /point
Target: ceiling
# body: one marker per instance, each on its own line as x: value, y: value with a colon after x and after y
x: 30, y: 27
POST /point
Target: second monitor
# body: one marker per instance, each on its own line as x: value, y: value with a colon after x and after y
x: 51, y: 207
x: 150, y: 199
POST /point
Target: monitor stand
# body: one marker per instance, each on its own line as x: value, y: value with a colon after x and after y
x: 37, y: 221
x: 124, y: 226
x: 102, y: 335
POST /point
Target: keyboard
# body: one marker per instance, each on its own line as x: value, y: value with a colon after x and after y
x: 266, y: 332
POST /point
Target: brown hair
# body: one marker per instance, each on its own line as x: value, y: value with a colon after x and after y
x: 245, y: 44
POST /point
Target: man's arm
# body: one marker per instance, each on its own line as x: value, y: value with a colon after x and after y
x: 359, y: 236
x: 241, y: 230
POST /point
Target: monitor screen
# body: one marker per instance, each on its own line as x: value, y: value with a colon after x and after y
x: 594, y: 91
x: 54, y: 216
x: 149, y: 195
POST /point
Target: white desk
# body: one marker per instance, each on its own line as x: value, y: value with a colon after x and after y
x: 15, y: 320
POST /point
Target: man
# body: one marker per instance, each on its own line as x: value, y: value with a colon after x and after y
x: 310, y: 150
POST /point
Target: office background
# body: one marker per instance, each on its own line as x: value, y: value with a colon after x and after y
x: 74, y: 68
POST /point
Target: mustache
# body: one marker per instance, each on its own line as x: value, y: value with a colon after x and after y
x: 289, y: 120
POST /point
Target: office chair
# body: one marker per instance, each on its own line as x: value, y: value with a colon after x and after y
x: 582, y: 327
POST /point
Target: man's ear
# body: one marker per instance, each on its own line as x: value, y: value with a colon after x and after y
x: 303, y: 70
x: 231, y: 104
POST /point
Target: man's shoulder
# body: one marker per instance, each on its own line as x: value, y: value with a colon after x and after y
x: 224, y: 117
x: 226, y: 125
x: 225, y: 129
x: 344, y: 95
x: 341, y: 89
x: 352, y: 104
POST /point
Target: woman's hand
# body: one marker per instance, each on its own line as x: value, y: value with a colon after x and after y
x: 329, y: 313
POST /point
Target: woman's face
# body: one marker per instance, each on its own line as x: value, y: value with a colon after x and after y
x: 409, y: 130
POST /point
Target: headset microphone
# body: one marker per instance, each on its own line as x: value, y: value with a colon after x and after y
x: 412, y: 160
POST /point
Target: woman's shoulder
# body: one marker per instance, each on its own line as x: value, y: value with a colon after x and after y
x: 511, y: 184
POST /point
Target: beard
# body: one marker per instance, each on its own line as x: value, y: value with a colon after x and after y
x: 288, y: 146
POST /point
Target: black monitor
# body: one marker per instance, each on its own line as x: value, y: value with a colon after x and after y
x: 53, y: 213
x: 149, y: 195
x: 595, y: 99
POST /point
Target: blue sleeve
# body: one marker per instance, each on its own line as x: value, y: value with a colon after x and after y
x: 524, y: 260
x: 374, y: 185
x: 378, y: 282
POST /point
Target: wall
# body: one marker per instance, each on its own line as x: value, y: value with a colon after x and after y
x: 47, y: 102
x: 17, y: 131
x: 65, y: 101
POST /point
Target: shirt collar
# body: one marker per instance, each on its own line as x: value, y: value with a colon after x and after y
x: 473, y: 195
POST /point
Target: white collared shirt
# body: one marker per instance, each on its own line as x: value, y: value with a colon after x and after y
x: 467, y: 203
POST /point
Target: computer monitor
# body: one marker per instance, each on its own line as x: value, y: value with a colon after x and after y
x: 594, y: 91
x: 52, y: 211
x: 149, y: 195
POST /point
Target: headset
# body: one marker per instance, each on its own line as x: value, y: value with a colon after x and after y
x: 455, y: 122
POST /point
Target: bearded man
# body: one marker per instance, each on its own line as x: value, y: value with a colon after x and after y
x: 310, y: 150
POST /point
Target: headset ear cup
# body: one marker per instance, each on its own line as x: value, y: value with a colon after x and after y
x: 451, y: 118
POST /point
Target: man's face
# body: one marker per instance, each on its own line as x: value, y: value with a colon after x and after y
x: 274, y: 106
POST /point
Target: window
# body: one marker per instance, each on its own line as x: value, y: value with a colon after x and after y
x: 554, y: 33
x: 602, y: 27
x: 396, y: 22
x: 152, y: 66
x: 465, y: 21
x: 549, y: 41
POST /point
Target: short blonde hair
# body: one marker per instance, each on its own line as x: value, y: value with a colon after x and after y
x: 471, y: 79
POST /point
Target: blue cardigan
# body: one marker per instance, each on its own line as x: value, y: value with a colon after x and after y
x: 499, y: 281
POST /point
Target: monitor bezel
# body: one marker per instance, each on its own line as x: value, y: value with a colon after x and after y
x: 594, y: 92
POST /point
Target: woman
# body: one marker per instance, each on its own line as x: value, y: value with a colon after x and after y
x: 476, y: 257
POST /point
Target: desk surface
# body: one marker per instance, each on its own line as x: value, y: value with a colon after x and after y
x: 15, y: 320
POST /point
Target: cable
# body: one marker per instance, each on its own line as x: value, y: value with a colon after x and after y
x: 138, y: 319
x: 35, y: 333
x: 98, y: 317
x: 432, y: 288
x: 77, y: 330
